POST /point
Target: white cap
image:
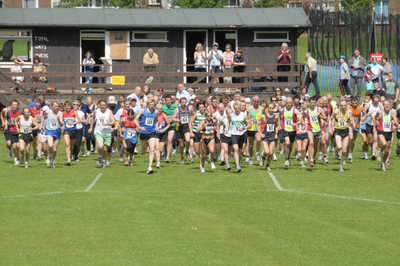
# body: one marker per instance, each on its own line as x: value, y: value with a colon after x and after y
x: 111, y: 100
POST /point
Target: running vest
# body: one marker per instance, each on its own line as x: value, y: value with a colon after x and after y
x: 302, y: 128
x: 238, y: 124
x: 268, y: 127
x: 169, y: 112
x: 197, y: 121
x: 372, y: 109
x: 36, y: 114
x: 356, y: 114
x: 25, y: 125
x: 185, y: 115
x: 11, y: 119
x: 314, y: 123
x: 209, y: 128
x: 342, y: 122
x: 148, y: 121
x: 130, y: 132
x: 257, y: 115
x: 52, y: 121
x: 218, y: 118
x: 81, y: 115
x: 385, y: 122
x: 69, y: 118
x: 161, y: 122
x: 288, y: 118
x: 100, y: 119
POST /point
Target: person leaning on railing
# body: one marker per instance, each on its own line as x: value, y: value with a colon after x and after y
x: 38, y: 67
x: 200, y: 60
x: 228, y: 60
x: 150, y: 62
x: 239, y: 65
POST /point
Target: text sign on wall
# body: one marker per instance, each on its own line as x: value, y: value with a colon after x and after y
x: 40, y: 44
x: 377, y: 56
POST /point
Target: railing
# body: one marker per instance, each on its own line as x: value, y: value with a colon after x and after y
x: 69, y: 79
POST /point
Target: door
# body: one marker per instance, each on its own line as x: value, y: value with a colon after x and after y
x: 191, y: 39
x: 224, y: 37
x: 93, y: 42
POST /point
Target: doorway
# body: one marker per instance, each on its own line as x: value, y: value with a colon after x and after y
x: 224, y: 37
x: 94, y: 42
x: 191, y: 38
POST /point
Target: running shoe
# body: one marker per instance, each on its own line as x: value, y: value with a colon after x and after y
x: 108, y: 162
x: 16, y: 161
x: 222, y: 163
x: 103, y: 164
x: 48, y: 162
x: 68, y: 162
x: 251, y: 161
x: 130, y: 163
x: 113, y: 154
x: 35, y: 153
x: 158, y: 165
x: 312, y: 163
x: 212, y: 165
x: 88, y: 153
x: 202, y: 169
x: 247, y: 159
x: 326, y: 160
x: 126, y: 162
x: 383, y: 166
x: 274, y: 158
x: 373, y: 157
x: 121, y: 158
x: 228, y: 168
x: 298, y: 156
x: 341, y: 168
x: 150, y: 171
x: 268, y: 168
x: 167, y: 160
x: 302, y: 164
x: 320, y: 156
x: 258, y: 158
x: 387, y: 162
x: 281, y: 152
x: 238, y: 169
x: 99, y: 162
x: 52, y: 164
x: 287, y: 163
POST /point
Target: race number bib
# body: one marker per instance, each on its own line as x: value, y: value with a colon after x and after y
x: 302, y: 128
x: 161, y: 125
x: 68, y: 123
x: 387, y: 126
x: 102, y: 120
x: 209, y: 129
x: 270, y: 128
x: 288, y: 122
x: 342, y: 123
x: 25, y: 130
x: 185, y: 120
x: 54, y: 123
x: 255, y: 121
x: 130, y: 133
x: 314, y: 119
x: 149, y: 121
x: 355, y: 120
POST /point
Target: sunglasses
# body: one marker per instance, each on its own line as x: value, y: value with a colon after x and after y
x: 273, y: 100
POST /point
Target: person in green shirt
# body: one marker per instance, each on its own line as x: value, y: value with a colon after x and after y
x: 168, y: 109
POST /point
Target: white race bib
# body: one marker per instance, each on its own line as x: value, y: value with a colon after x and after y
x: 270, y: 127
x: 313, y: 119
x: 387, y: 126
x: 185, y: 120
x: 130, y: 133
x: 68, y: 123
x: 149, y: 121
x: 288, y: 122
x: 342, y: 123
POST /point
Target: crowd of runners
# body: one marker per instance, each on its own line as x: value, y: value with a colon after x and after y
x: 212, y: 129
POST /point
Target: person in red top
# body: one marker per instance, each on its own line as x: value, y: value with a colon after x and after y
x: 10, y: 128
x: 284, y: 56
x: 386, y: 121
x: 70, y: 118
x: 162, y: 125
x: 128, y: 131
x: 37, y: 113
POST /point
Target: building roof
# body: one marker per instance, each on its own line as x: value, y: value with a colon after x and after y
x: 154, y: 18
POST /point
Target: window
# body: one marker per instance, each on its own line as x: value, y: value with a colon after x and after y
x: 15, y: 43
x: 325, y: 6
x: 30, y: 3
x: 1, y: 3
x: 149, y: 36
x: 382, y: 12
x: 232, y: 3
x: 271, y: 36
x: 295, y: 4
x: 154, y: 2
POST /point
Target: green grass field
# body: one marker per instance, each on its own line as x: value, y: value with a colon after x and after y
x: 178, y: 216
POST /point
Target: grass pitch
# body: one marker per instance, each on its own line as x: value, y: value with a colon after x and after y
x: 178, y: 216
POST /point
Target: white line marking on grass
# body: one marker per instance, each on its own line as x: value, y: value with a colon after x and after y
x: 39, y: 194
x: 93, y: 182
x: 278, y: 186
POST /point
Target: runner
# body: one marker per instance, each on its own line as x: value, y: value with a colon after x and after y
x: 255, y: 112
x: 10, y: 130
x: 146, y: 123
x: 315, y: 117
x: 162, y: 127
x: 80, y: 131
x: 219, y: 116
x: 238, y: 125
x: 289, y: 117
x: 182, y: 116
x: 370, y: 110
x: 169, y: 109
x: 207, y: 127
x: 356, y: 114
x: 386, y: 121
x: 225, y: 134
x: 70, y: 118
x: 51, y: 122
x: 37, y: 112
x: 25, y: 124
x: 104, y: 119
x: 194, y: 124
x: 268, y: 126
x: 90, y: 139
x: 302, y: 134
x: 341, y: 120
x: 277, y: 110
x: 129, y: 132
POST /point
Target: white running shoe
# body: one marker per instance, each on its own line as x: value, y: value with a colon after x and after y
x: 340, y: 168
x: 287, y: 163
x: 108, y: 162
x: 274, y: 158
x: 281, y: 152
x: 302, y: 164
x: 297, y: 156
x: 16, y: 161
x: 52, y: 164
x: 202, y: 169
x: 258, y: 158
x: 212, y: 165
x: 26, y: 165
x: 247, y: 159
x: 251, y: 161
x: 48, y: 162
x: 158, y: 165
x: 150, y: 171
x: 326, y: 160
x: 88, y: 153
x: 320, y: 156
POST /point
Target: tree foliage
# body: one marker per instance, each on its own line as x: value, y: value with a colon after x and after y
x: 270, y: 3
x: 357, y: 5
x: 199, y: 3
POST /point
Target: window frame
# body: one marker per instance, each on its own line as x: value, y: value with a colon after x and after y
x: 154, y: 3
x: 28, y: 63
x: 255, y: 39
x: 133, y: 39
x: 36, y: 3
x: 383, y: 19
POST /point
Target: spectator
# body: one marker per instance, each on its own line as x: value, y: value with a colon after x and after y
x: 387, y: 68
x: 113, y: 105
x: 17, y: 68
x: 376, y: 70
x: 150, y: 62
x: 216, y: 58
x: 344, y: 77
x: 357, y: 64
x: 146, y: 92
x: 312, y: 74
x: 379, y: 91
x: 284, y: 56
x: 38, y: 67
x: 303, y: 94
x: 182, y: 93
x: 160, y: 94
x: 228, y: 60
x: 279, y: 94
x: 239, y: 65
x: 191, y: 93
x: 121, y: 100
x: 88, y: 64
x: 391, y: 88
x: 200, y: 62
x: 368, y: 79
x: 135, y: 97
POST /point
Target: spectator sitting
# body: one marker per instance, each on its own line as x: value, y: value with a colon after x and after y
x: 38, y: 67
x: 239, y: 65
x: 191, y: 93
x: 368, y: 77
x: 150, y: 62
x: 387, y: 68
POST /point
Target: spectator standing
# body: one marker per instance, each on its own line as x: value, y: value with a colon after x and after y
x: 239, y: 65
x: 191, y: 93
x: 312, y: 74
x: 357, y: 64
x: 387, y: 68
x: 150, y: 62
x: 392, y: 89
x: 216, y: 58
x: 284, y: 56
x: 369, y: 85
x: 200, y: 60
x: 88, y: 65
x: 344, y: 77
x: 376, y: 69
x: 182, y: 93
x: 228, y: 62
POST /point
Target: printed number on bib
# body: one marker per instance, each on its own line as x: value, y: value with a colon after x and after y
x: 342, y: 123
x: 25, y: 130
x: 185, y: 120
x: 355, y: 120
x: 53, y: 123
x: 209, y: 129
x: 68, y: 123
x: 130, y: 133
x: 314, y: 119
x: 270, y: 127
x: 149, y: 121
x: 161, y: 125
x: 288, y: 122
x: 387, y: 126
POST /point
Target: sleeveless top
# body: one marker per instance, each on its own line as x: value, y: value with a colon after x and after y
x: 342, y: 121
x: 257, y: 115
x: 161, y: 122
x: 185, y: 115
x: 68, y: 119
x: 356, y: 114
x: 302, y: 128
x: 385, y: 122
x: 268, y: 127
x: 25, y: 125
x: 208, y: 128
x: 197, y: 121
x: 238, y: 124
x: 218, y: 118
x: 372, y: 109
x: 130, y: 132
x: 314, y: 123
x: 148, y: 121
x: 200, y: 61
x: 11, y: 119
x: 100, y: 119
x: 52, y: 121
x: 288, y: 117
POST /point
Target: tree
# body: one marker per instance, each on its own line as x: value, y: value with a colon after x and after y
x: 199, y: 3
x: 358, y: 5
x: 270, y: 3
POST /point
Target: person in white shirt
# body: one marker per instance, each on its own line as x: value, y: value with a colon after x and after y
x: 182, y: 93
